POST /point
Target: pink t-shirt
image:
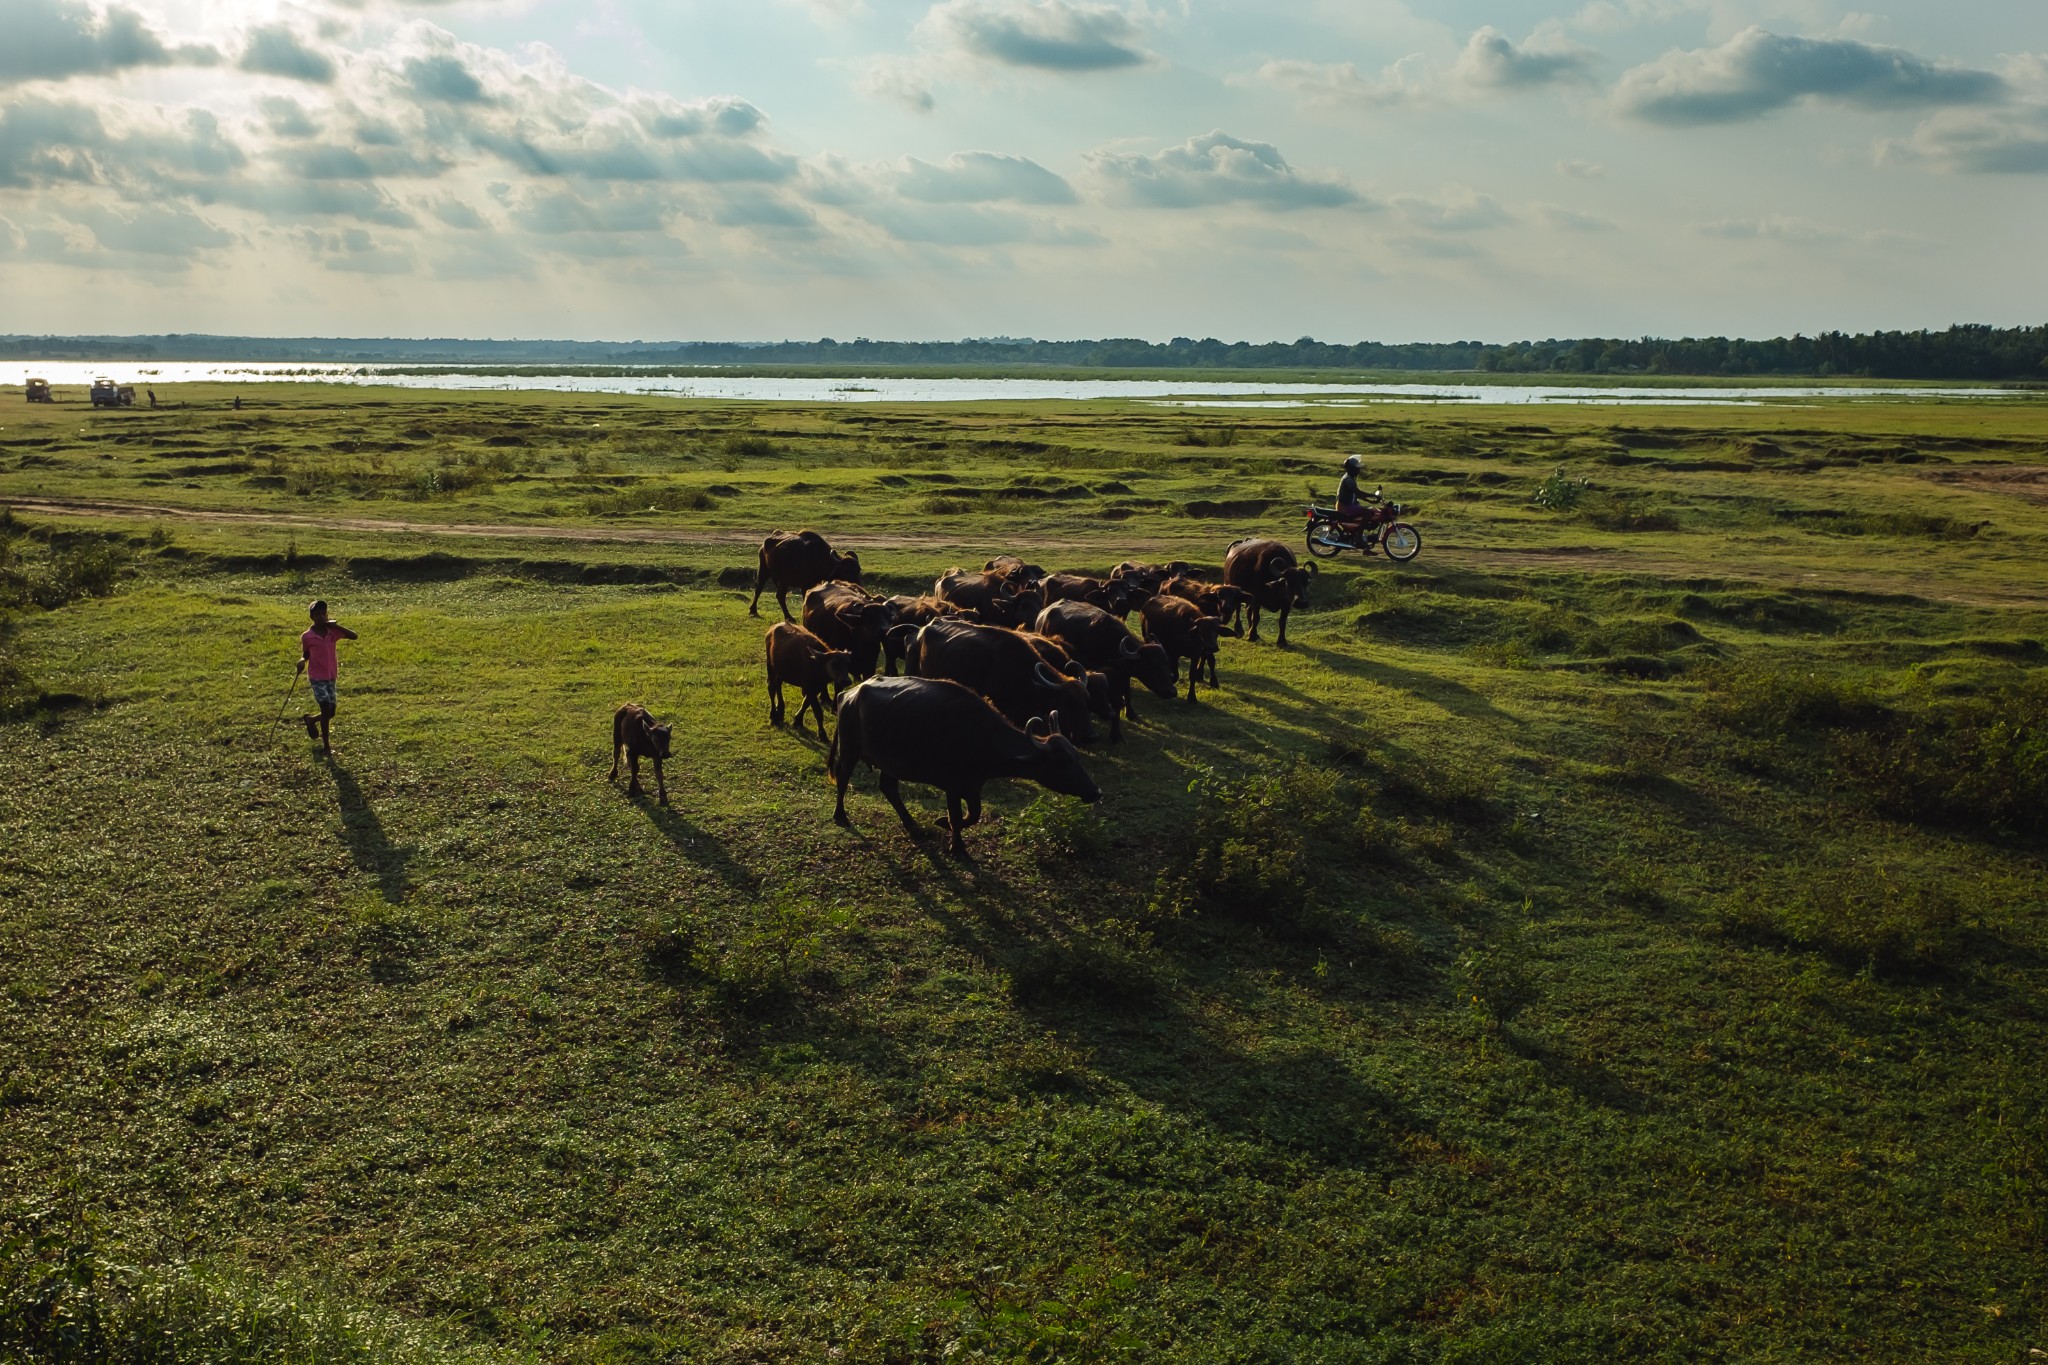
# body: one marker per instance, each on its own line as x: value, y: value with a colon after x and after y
x: 320, y: 661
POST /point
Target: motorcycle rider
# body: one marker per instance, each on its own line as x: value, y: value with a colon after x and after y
x: 1350, y: 511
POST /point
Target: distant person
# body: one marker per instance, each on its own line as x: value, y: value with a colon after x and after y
x: 238, y: 402
x: 152, y: 397
x: 316, y: 659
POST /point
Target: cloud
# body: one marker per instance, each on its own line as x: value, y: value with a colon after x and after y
x: 1582, y: 170
x: 1778, y: 227
x: 981, y: 178
x: 1217, y: 168
x: 1048, y: 35
x: 553, y: 212
x: 1492, y: 61
x: 897, y: 82
x: 1571, y: 220
x: 1464, y: 211
x: 53, y: 40
x: 1337, y: 84
x: 275, y: 50
x: 45, y: 142
x: 444, y: 78
x: 1977, y: 142
x: 1758, y: 72
x: 286, y: 117
x: 153, y: 231
x: 966, y: 225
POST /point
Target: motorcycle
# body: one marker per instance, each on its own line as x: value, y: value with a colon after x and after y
x: 1382, y: 529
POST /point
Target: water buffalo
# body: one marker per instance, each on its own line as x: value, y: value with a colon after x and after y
x: 797, y: 562
x: 1004, y: 667
x: 1266, y: 571
x: 989, y: 597
x: 1146, y: 578
x: 907, y: 615
x: 802, y: 660
x: 1178, y: 627
x: 938, y: 733
x: 1100, y: 641
x: 1102, y: 704
x: 1219, y: 600
x: 849, y: 617
x: 634, y: 732
x: 1013, y: 570
x: 1111, y: 594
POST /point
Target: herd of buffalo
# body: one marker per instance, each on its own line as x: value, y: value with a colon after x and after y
x: 1006, y: 667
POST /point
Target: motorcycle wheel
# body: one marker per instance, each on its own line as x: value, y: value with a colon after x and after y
x: 1324, y: 549
x: 1401, y: 541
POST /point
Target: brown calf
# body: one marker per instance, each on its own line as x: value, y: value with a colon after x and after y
x: 634, y: 731
x: 801, y: 659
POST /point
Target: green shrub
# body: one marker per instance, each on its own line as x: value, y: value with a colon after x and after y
x: 35, y: 572
x: 1056, y: 829
x: 1980, y: 761
x: 628, y: 502
x: 64, y: 1297
x: 1862, y: 915
x: 1559, y: 493
x: 1783, y: 703
x: 1492, y: 979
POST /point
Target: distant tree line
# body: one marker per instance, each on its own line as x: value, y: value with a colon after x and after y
x: 1962, y: 352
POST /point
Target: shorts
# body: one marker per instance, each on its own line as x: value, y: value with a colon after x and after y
x: 323, y: 691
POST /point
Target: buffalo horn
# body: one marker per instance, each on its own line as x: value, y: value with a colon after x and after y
x: 1046, y: 677
x: 1128, y: 647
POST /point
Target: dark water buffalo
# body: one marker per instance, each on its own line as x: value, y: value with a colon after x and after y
x: 1211, y: 599
x: 797, y: 562
x: 1271, y: 580
x: 1103, y: 643
x: 944, y: 735
x: 1112, y: 595
x: 803, y: 661
x: 849, y: 617
x: 1004, y: 667
x: 1178, y: 626
x: 635, y: 733
x: 1101, y: 689
x: 1146, y: 578
x: 1013, y: 570
x: 989, y: 597
x: 907, y: 615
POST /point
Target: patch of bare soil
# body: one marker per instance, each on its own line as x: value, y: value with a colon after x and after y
x: 2028, y: 482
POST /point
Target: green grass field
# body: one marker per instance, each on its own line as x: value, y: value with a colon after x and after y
x: 1616, y: 935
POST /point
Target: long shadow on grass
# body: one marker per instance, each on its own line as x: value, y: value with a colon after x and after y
x: 1453, y: 696
x: 700, y: 846
x: 369, y: 847
x: 1123, y: 1010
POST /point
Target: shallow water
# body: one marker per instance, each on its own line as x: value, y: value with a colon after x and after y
x: 72, y: 376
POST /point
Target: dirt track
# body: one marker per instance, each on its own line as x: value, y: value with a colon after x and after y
x: 1579, y: 558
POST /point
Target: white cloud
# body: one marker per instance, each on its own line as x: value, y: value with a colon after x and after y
x: 1581, y: 170
x: 1069, y: 36
x: 1217, y: 168
x: 982, y: 177
x: 1491, y: 61
x: 1341, y: 84
x: 1757, y: 72
x: 2010, y: 141
x: 1459, y: 211
x: 53, y: 40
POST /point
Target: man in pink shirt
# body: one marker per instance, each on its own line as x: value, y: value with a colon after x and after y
x: 317, y: 661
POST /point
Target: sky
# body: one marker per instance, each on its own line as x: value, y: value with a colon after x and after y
x: 903, y: 169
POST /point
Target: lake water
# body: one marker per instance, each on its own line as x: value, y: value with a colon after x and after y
x: 69, y: 375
